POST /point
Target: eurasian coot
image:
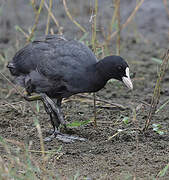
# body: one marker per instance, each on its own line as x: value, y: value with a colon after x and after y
x: 57, y: 68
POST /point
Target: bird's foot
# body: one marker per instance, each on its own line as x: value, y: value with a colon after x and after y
x: 63, y: 137
x: 69, y: 138
x: 62, y: 127
x: 31, y: 98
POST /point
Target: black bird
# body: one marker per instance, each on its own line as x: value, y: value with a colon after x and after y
x: 57, y: 68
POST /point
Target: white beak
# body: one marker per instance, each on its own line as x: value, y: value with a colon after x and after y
x: 127, y: 80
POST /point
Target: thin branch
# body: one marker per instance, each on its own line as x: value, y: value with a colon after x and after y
x: 165, y: 4
x: 53, y: 17
x: 19, y: 92
x: 157, y: 89
x: 128, y: 20
x: 104, y: 101
x: 36, y: 21
x: 34, y: 6
x: 118, y: 27
x: 94, y: 17
x: 37, y: 122
x: 22, y: 31
x: 71, y: 18
x: 93, y: 21
x: 48, y: 19
x: 112, y: 22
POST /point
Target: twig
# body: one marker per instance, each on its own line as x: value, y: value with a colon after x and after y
x: 93, y: 21
x: 46, y: 152
x: 94, y: 26
x: 36, y: 21
x: 41, y: 144
x: 111, y: 26
x: 156, y: 95
x: 48, y: 19
x: 22, y: 31
x: 53, y: 17
x: 122, y: 130
x: 162, y: 106
x: 112, y: 23
x: 34, y: 6
x: 36, y: 121
x: 165, y: 4
x: 71, y: 18
x: 95, y: 114
x: 145, y: 103
x: 104, y: 101
x: 18, y: 91
x: 128, y: 20
x: 135, y: 121
x: 15, y: 142
x: 118, y: 27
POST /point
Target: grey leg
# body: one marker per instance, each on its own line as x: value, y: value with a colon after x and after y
x: 54, y: 110
x: 58, y: 112
x: 56, y: 117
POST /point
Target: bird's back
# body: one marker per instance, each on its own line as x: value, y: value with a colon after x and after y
x: 51, y: 48
x: 57, y: 60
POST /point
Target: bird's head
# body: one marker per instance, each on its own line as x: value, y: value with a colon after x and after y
x: 117, y: 68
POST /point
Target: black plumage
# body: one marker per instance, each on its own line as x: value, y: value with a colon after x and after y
x: 57, y: 68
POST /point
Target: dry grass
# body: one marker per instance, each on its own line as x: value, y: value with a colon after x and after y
x: 157, y: 89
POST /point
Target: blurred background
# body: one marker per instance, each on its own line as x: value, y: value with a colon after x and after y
x: 150, y: 23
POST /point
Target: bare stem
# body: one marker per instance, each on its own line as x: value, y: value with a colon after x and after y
x: 156, y: 95
x: 118, y: 27
x: 53, y: 18
x: 18, y: 91
x: 165, y: 4
x: 71, y: 18
x: 48, y: 19
x: 37, y: 124
x: 36, y: 21
x: 112, y: 21
x: 34, y: 6
x: 128, y: 20
x: 94, y: 49
x: 41, y: 145
x: 94, y: 26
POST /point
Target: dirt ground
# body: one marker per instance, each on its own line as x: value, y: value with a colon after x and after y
x: 129, y: 152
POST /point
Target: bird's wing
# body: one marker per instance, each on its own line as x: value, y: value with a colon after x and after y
x: 54, y: 57
x: 65, y: 59
x: 26, y: 59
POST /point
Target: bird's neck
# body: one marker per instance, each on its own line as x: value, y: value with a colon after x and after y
x: 103, y: 70
x: 98, y: 76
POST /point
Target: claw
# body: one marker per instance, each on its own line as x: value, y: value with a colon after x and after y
x: 31, y: 98
x: 69, y: 139
x: 56, y: 117
x: 63, y: 137
x: 49, y: 138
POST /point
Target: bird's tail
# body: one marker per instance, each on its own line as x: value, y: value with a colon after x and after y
x: 10, y: 65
